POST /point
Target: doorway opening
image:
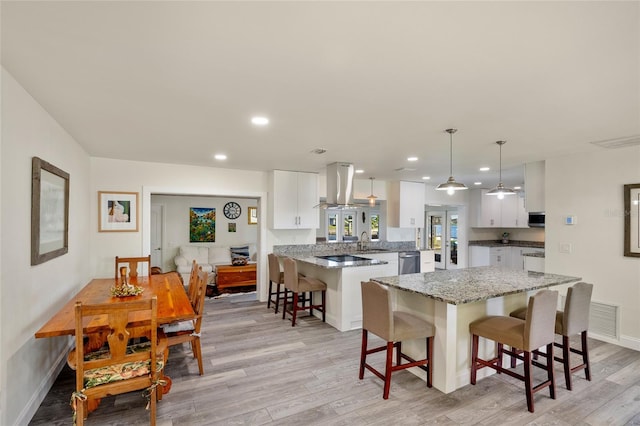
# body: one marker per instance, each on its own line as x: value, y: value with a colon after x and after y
x: 441, y: 230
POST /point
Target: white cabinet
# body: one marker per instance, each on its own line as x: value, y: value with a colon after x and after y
x: 292, y: 200
x: 405, y: 205
x: 427, y: 261
x: 479, y: 256
x: 507, y: 256
x: 534, y: 264
x: 500, y: 256
x: 489, y: 211
x: 534, y: 181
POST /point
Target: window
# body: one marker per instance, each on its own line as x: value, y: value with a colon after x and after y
x: 374, y: 222
x: 349, y: 226
x: 332, y: 222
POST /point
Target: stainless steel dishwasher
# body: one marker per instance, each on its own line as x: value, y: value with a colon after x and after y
x: 408, y: 262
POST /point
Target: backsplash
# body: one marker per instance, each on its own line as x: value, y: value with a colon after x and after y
x: 520, y: 234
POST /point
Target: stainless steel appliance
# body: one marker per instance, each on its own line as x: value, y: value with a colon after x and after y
x: 536, y: 219
x: 408, y: 262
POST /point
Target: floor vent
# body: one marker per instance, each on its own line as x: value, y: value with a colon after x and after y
x: 603, y: 320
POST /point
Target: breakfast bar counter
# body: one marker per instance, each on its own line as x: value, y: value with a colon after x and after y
x: 451, y: 299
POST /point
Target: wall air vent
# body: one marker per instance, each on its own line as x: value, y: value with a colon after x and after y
x: 603, y: 319
x: 619, y: 143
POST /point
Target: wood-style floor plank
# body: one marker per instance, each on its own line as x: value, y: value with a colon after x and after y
x: 261, y: 371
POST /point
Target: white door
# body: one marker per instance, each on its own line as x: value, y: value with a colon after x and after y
x: 451, y: 245
x: 435, y: 237
x: 156, y: 235
x: 442, y: 235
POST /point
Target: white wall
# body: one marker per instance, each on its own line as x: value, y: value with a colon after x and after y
x: 590, y: 186
x: 30, y: 295
x: 176, y: 218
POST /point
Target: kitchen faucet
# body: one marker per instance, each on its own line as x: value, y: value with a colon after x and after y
x: 363, y: 238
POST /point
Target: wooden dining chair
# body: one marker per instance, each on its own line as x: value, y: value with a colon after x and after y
x: 189, y: 331
x: 122, y: 366
x: 132, y: 264
x: 192, y: 285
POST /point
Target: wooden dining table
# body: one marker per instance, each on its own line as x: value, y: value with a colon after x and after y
x: 173, y: 305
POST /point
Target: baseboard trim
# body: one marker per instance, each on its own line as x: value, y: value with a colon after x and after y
x: 624, y: 341
x: 36, y: 399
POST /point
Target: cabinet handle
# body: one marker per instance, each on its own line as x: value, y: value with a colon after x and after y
x: 491, y: 221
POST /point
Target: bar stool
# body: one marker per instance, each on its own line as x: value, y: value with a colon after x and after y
x: 379, y: 318
x: 522, y: 336
x: 297, y: 284
x: 573, y: 320
x: 275, y: 277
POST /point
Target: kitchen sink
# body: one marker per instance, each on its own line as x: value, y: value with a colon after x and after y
x: 342, y: 258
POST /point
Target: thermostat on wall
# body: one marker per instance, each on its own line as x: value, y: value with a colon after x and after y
x: 570, y: 220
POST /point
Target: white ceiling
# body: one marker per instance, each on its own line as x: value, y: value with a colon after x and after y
x: 370, y: 82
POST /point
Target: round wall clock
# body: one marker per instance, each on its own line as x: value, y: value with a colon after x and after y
x: 232, y: 210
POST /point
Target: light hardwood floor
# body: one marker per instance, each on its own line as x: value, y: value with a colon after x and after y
x: 261, y: 371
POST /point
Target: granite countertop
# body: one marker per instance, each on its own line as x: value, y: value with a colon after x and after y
x: 514, y: 243
x: 330, y: 264
x: 539, y: 254
x: 469, y: 285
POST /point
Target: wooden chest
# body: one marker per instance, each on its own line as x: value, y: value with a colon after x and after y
x: 235, y: 276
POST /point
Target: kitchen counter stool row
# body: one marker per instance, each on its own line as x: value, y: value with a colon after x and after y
x: 296, y: 292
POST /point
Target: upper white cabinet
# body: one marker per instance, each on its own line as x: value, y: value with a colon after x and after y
x: 405, y: 206
x: 488, y: 211
x: 292, y: 200
x: 534, y: 181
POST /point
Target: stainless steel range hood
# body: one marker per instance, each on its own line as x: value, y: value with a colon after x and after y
x: 339, y: 187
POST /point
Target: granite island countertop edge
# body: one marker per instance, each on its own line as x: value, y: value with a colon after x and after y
x: 473, y: 284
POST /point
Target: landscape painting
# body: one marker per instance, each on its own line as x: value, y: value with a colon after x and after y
x: 202, y: 225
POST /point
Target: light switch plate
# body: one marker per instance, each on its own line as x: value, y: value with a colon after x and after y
x: 565, y: 248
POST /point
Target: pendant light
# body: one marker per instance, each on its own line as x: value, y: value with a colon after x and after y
x: 372, y: 198
x: 451, y: 185
x: 501, y: 190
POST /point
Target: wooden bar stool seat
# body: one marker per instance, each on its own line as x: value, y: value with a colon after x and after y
x: 573, y: 320
x: 523, y: 337
x: 299, y: 285
x: 379, y: 318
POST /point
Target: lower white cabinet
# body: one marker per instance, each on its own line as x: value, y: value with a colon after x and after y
x: 508, y: 256
x: 427, y: 261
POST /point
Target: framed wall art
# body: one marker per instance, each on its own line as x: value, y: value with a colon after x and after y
x: 202, y: 225
x: 49, y: 211
x: 117, y: 211
x: 632, y: 220
x: 253, y: 215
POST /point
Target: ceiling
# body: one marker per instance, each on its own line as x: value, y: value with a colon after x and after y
x: 371, y: 83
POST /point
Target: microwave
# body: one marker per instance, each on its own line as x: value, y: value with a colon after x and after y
x: 536, y: 219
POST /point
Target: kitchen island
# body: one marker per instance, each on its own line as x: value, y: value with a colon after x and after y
x: 343, y: 277
x: 451, y: 299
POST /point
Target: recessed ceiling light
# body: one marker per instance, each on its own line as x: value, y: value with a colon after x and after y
x: 260, y: 121
x: 220, y: 157
x: 517, y: 187
x: 426, y: 177
x: 484, y: 169
x: 412, y: 159
x: 359, y: 171
x: 477, y: 183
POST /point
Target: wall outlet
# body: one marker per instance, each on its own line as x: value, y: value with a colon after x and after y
x: 566, y: 248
